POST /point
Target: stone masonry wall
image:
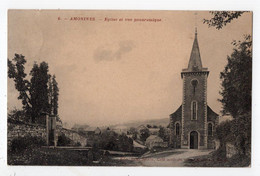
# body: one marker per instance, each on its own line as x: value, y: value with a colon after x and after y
x: 21, y: 129
x: 197, y: 96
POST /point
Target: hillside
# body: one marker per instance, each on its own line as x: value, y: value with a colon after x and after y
x: 158, y: 122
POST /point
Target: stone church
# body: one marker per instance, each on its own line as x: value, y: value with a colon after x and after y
x: 193, y: 124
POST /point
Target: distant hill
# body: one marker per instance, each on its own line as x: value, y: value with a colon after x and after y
x: 158, y: 122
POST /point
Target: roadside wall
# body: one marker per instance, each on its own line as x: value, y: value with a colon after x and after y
x: 21, y: 129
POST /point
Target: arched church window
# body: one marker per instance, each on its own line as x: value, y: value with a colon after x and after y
x: 177, y: 129
x: 194, y: 108
x: 210, y: 129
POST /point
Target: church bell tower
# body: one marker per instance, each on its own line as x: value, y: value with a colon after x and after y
x: 194, y: 103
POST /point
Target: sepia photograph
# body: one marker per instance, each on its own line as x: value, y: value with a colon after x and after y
x: 149, y: 88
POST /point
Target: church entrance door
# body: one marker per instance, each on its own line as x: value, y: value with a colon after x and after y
x: 194, y: 140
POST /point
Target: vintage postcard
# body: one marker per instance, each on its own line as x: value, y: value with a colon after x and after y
x: 129, y: 88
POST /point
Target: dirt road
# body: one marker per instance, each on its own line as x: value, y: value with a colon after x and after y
x: 170, y: 158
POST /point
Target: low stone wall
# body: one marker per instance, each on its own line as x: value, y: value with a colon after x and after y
x: 21, y: 129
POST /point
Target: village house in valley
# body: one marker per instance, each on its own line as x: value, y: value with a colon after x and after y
x: 154, y: 141
x: 193, y: 124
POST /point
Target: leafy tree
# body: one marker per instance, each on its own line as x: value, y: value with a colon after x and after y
x: 134, y: 136
x: 16, y: 72
x: 236, y: 87
x: 38, y: 95
x: 109, y: 140
x: 223, y: 133
x: 236, y: 96
x: 163, y: 134
x: 241, y: 130
x: 124, y: 143
x: 222, y: 18
x: 144, y: 134
x: 39, y: 90
x: 237, y: 79
x: 237, y: 131
x: 148, y: 126
x: 134, y: 132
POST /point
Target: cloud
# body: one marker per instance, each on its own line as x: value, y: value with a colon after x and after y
x: 102, y: 54
x: 107, y: 53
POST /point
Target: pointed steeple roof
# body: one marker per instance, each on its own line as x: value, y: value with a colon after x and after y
x: 195, y: 63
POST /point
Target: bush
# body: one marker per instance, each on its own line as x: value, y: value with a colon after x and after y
x: 237, y: 131
x: 20, y: 144
x: 64, y: 140
x: 224, y: 134
x: 17, y: 115
x: 111, y: 141
x: 242, y: 132
x: 219, y: 153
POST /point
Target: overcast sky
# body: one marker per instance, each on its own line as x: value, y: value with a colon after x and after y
x: 114, y: 72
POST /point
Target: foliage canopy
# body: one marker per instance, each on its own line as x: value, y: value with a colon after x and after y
x: 40, y: 94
